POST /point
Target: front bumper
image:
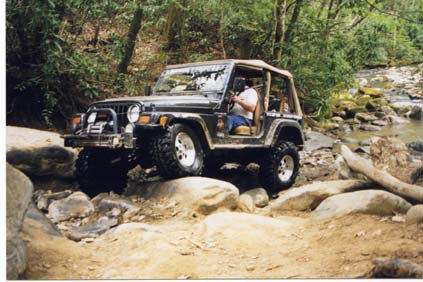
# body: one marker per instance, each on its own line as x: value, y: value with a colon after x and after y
x: 125, y: 140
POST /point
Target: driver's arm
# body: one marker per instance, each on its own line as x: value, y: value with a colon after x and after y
x: 247, y: 106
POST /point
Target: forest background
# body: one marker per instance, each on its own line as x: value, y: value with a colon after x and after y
x: 63, y: 54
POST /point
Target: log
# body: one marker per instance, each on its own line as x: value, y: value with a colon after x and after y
x: 395, y: 268
x: 381, y: 177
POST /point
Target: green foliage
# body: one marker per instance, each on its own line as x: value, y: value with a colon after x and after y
x: 56, y: 63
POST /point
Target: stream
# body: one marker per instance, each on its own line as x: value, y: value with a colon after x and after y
x: 394, y: 83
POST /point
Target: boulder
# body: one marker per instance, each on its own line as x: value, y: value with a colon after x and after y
x: 246, y: 203
x: 259, y: 197
x: 308, y: 197
x: 39, y: 153
x: 370, y: 92
x: 43, y: 199
x: 368, y: 127
x: 316, y: 140
x: 91, y: 230
x: 415, y: 214
x: 36, y: 220
x: 77, y: 205
x: 18, y: 197
x: 416, y: 112
x: 376, y: 202
x: 200, y: 194
x: 380, y: 122
x: 365, y: 117
x: 244, y: 229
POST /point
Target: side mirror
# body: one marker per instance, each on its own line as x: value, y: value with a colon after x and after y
x: 239, y: 84
x: 147, y: 90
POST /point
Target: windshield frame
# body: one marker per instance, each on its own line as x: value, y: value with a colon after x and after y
x: 216, y: 94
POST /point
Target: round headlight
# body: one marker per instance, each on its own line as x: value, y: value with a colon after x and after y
x: 91, y: 117
x: 134, y: 113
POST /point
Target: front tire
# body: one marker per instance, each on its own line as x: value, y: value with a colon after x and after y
x: 177, y: 152
x: 102, y: 170
x: 279, y: 167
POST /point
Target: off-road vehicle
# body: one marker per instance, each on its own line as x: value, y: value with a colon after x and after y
x: 179, y: 126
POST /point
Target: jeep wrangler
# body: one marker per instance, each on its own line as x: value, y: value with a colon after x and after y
x: 180, y: 127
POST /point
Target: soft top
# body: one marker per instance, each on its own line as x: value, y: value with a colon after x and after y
x: 248, y: 63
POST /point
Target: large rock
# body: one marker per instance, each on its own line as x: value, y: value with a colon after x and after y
x: 415, y: 214
x: 201, y: 194
x: 389, y: 153
x: 39, y: 153
x: 18, y: 197
x: 36, y: 220
x: 367, y: 202
x: 416, y: 112
x: 316, y: 140
x: 258, y: 196
x: 248, y: 229
x: 77, y: 205
x: 310, y: 196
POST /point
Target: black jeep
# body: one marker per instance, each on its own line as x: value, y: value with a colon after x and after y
x: 180, y: 127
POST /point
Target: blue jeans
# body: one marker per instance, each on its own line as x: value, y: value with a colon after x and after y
x: 235, y: 121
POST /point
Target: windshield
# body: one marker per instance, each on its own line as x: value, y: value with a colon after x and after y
x: 196, y: 78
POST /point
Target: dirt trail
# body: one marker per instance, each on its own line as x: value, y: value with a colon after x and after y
x: 342, y: 247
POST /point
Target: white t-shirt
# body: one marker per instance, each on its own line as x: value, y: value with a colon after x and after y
x: 249, y: 95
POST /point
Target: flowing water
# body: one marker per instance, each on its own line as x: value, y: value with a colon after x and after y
x: 394, y: 83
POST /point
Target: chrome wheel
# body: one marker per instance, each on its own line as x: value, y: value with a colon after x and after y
x: 286, y: 168
x: 185, y: 149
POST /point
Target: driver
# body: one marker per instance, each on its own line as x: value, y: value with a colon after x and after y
x: 244, y: 105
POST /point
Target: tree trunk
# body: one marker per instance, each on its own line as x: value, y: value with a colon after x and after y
x: 274, y: 27
x: 174, y: 25
x: 381, y: 177
x: 222, y: 42
x: 282, y: 26
x: 130, y: 43
x: 295, y: 15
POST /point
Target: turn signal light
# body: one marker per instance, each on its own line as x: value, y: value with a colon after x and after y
x: 163, y: 120
x: 144, y: 119
x: 76, y: 120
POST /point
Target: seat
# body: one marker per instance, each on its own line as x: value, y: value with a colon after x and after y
x: 255, y: 128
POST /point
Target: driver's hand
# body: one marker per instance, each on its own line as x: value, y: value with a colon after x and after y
x: 235, y: 99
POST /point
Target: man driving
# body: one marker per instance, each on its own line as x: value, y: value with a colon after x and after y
x: 244, y: 106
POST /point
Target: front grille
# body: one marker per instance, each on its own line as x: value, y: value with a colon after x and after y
x: 121, y: 110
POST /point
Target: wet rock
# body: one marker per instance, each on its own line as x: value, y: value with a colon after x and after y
x: 259, y: 197
x: 77, y: 205
x: 371, y: 92
x: 368, y: 127
x: 316, y: 140
x: 353, y: 121
x: 337, y: 119
x: 388, y: 111
x: 331, y: 126
x: 415, y: 214
x: 365, y: 117
x: 201, y: 194
x: 396, y: 119
x: 349, y: 140
x: 416, y: 112
x: 367, y: 202
x: 308, y: 197
x: 380, y: 122
x: 18, y: 194
x: 39, y: 153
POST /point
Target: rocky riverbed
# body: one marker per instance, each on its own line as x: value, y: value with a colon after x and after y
x: 334, y: 223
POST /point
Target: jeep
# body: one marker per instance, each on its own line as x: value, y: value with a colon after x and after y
x: 179, y: 126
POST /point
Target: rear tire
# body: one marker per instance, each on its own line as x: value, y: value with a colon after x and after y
x: 177, y: 152
x: 279, y: 167
x: 102, y: 170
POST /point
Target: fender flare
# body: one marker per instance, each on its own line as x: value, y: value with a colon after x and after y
x: 285, y: 126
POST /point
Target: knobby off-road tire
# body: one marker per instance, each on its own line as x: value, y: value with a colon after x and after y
x: 103, y: 170
x: 177, y: 152
x: 279, y: 167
